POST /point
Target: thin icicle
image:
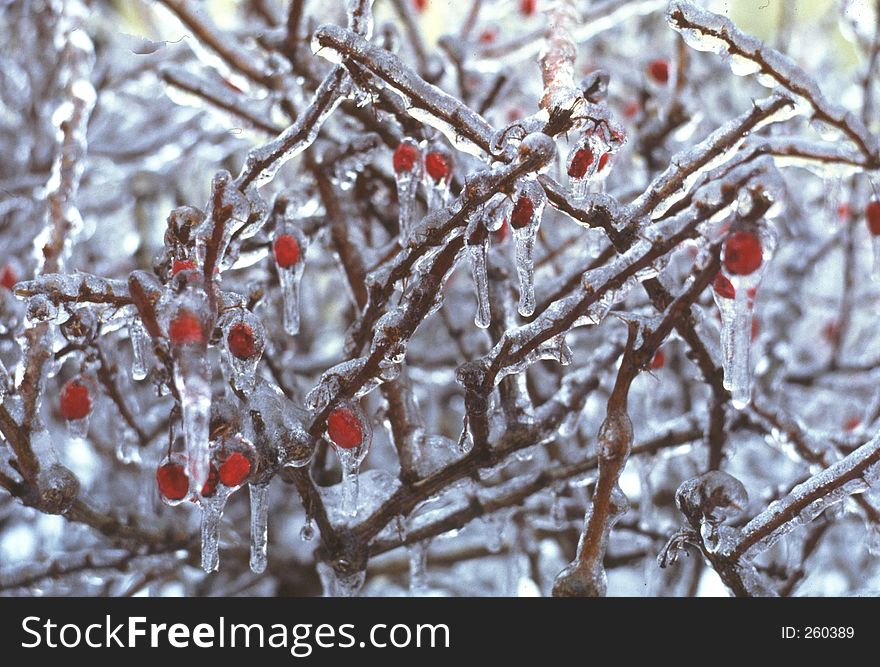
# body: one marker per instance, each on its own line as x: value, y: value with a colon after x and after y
x: 139, y: 350
x: 212, y: 513
x: 259, y: 496
x: 478, y: 252
x: 525, y: 219
x: 418, y: 565
x: 407, y: 163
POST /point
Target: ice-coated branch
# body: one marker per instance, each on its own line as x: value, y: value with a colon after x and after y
x: 558, y: 60
x: 706, y: 31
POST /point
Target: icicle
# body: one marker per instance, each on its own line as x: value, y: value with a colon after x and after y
x: 557, y: 508
x: 289, y: 247
x: 212, y: 513
x: 495, y: 526
x: 418, y: 565
x: 407, y: 162
x: 259, y: 496
x: 244, y: 340
x: 525, y: 221
x: 872, y: 217
x: 350, y: 433
x: 745, y: 254
x: 478, y: 251
x: 340, y: 585
x: 437, y: 175
x: 139, y: 350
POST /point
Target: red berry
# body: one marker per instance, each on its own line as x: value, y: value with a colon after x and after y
x: 286, y: 251
x: 659, y: 360
x: 659, y: 70
x: 240, y: 340
x: 405, y: 157
x: 603, y: 160
x: 421, y: 5
x: 843, y: 211
x: 756, y: 329
x: 235, y: 469
x: 9, y: 277
x: 723, y: 286
x: 488, y: 36
x: 178, y: 265
x: 528, y: 7
x: 522, y: 213
x: 742, y: 253
x: 872, y: 214
x: 75, y: 400
x: 852, y: 424
x: 500, y: 236
x: 580, y: 163
x: 631, y: 109
x: 436, y: 166
x: 209, y: 488
x: 344, y: 428
x: 172, y: 481
x: 185, y: 328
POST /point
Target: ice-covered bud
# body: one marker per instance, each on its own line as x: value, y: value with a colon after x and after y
x: 80, y: 327
x: 56, y: 489
x: 574, y: 582
x: 594, y: 86
x: 538, y: 147
x: 708, y: 501
x: 615, y: 436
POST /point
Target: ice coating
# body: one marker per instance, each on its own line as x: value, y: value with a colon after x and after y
x: 407, y: 176
x: 525, y: 231
x: 244, y: 340
x: 478, y: 253
x: 289, y: 249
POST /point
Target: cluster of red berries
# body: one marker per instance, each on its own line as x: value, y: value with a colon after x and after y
x: 231, y: 469
x: 438, y: 165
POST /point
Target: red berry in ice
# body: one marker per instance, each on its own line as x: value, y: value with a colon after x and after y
x: 500, y: 236
x: 8, y: 278
x: 209, y: 488
x: 631, y: 109
x: 723, y: 286
x: 528, y: 7
x: 286, y: 251
x: 580, y: 163
x: 240, y: 340
x: 172, y: 481
x: 522, y: 213
x: 185, y: 328
x: 659, y: 70
x: 659, y: 360
x: 344, y: 428
x: 603, y: 161
x: 421, y: 5
x: 235, y: 469
x: 75, y: 400
x: 178, y: 265
x: 852, y: 424
x: 437, y: 166
x: 742, y: 253
x: 488, y: 35
x: 405, y: 157
x: 872, y: 215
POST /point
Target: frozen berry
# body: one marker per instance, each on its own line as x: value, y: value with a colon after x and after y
x: 405, y: 157
x: 421, y: 5
x: 240, y: 340
x: 178, y: 265
x: 580, y: 163
x: 286, y: 251
x: 488, y: 35
x: 235, y: 469
x: 437, y: 166
x: 603, y: 161
x: 872, y: 215
x: 659, y: 70
x: 185, y: 328
x: 659, y: 360
x: 742, y: 253
x: 723, y: 286
x: 8, y: 278
x: 522, y: 213
x: 209, y: 488
x: 631, y: 109
x: 500, y: 235
x: 344, y: 428
x: 172, y: 481
x: 75, y: 400
x: 852, y: 424
x: 528, y: 7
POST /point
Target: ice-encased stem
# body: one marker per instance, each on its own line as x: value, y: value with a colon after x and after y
x: 139, y: 351
x: 212, y: 512
x: 737, y: 371
x: 524, y: 240
x: 479, y: 256
x: 192, y: 377
x: 259, y: 496
x: 407, y: 187
x: 290, y: 280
